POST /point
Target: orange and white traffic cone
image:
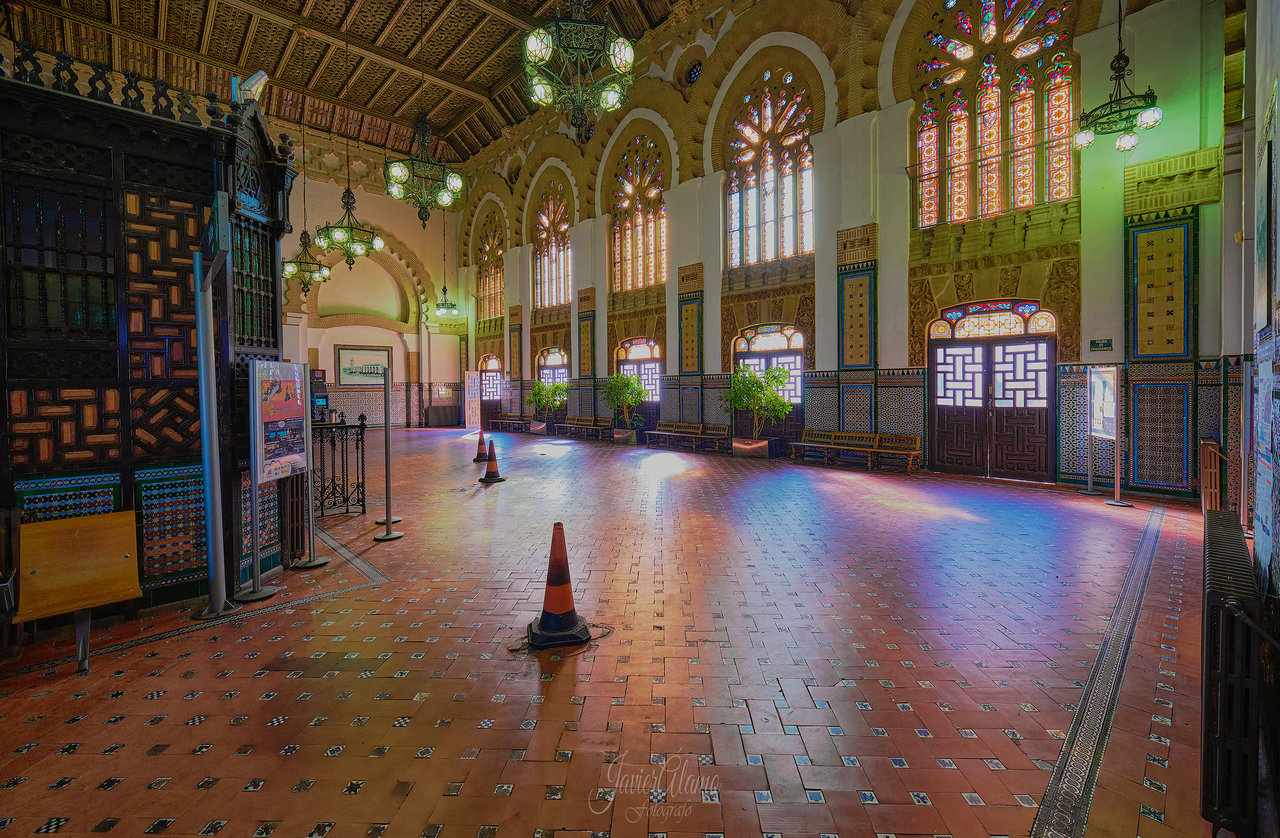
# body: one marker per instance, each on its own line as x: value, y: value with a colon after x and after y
x: 491, y: 471
x: 480, y: 456
x: 559, y: 624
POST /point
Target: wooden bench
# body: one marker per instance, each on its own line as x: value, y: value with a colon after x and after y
x: 691, y: 435
x: 587, y: 427
x: 833, y: 446
x: 905, y: 447
x: 514, y: 422
x: 71, y: 565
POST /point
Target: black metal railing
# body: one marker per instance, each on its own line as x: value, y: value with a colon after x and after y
x: 339, y: 463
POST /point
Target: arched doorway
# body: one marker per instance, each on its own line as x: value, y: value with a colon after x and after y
x: 769, y: 345
x: 992, y: 390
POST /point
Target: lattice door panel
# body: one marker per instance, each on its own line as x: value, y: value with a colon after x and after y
x: 1023, y: 435
x: 958, y: 426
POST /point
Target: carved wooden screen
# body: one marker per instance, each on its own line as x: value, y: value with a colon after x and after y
x: 993, y: 390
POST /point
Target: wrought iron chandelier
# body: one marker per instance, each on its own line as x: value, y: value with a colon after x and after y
x: 421, y: 179
x: 348, y: 235
x: 445, y: 307
x: 1124, y: 110
x: 306, y: 266
x: 580, y: 66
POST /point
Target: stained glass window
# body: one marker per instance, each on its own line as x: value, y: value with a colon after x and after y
x: 1010, y: 147
x: 489, y: 275
x: 774, y: 345
x: 553, y: 366
x: 639, y: 217
x: 552, y: 285
x: 641, y: 357
x: 770, y: 183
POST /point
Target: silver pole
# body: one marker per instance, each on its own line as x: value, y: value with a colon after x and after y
x: 205, y: 329
x: 312, y: 559
x: 386, y: 455
x: 1122, y: 436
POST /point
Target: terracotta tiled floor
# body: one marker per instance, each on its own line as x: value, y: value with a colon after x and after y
x: 781, y: 649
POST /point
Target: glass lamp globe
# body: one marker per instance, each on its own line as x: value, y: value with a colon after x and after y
x: 621, y: 55
x: 538, y: 46
x: 454, y: 182
x: 357, y: 249
x: 541, y: 91
x: 339, y: 235
x: 611, y: 97
x: 1127, y: 141
x: 378, y: 243
x: 321, y: 242
x: 1150, y: 118
x: 395, y: 190
x: 398, y: 172
x: 1083, y: 139
x: 290, y: 269
x: 324, y: 272
x: 445, y: 197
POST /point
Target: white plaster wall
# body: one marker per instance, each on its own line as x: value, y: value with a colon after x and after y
x: 683, y: 248
x: 443, y: 358
x: 891, y: 210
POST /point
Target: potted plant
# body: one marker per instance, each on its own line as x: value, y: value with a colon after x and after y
x: 758, y: 392
x: 622, y: 393
x: 544, y: 399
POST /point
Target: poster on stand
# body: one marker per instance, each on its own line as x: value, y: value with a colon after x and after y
x: 1102, y: 402
x: 279, y: 420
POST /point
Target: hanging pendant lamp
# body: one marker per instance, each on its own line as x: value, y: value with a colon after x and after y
x: 306, y: 266
x: 445, y: 307
x: 578, y: 65
x: 1124, y: 110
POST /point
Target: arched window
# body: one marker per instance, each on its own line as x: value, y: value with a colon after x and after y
x: 552, y: 285
x: 489, y: 276
x: 1010, y: 148
x: 773, y: 345
x: 639, y: 217
x: 770, y: 173
x: 553, y: 366
x: 490, y: 378
x: 642, y: 357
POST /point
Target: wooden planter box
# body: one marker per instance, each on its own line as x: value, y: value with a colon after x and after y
x: 769, y: 448
x: 539, y: 428
x: 634, y: 436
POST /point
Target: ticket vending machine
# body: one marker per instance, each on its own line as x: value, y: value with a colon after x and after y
x: 319, y: 397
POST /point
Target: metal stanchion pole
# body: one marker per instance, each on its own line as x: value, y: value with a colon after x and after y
x: 386, y: 448
x: 312, y: 560
x: 1122, y: 438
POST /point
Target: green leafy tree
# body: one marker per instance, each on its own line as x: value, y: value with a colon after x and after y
x: 759, y: 393
x: 548, y: 397
x: 623, y: 392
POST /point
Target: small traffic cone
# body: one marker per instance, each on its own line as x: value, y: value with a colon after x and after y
x: 480, y: 456
x: 559, y: 624
x: 491, y: 471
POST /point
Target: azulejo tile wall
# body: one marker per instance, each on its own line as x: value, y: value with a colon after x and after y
x: 171, y: 501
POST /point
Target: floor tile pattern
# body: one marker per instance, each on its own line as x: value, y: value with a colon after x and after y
x: 780, y: 650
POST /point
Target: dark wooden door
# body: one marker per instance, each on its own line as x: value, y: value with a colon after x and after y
x: 1023, y: 397
x: 992, y: 408
x: 958, y: 407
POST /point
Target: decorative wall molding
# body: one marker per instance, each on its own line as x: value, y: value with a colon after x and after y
x: 1179, y: 180
x: 689, y: 278
x: 640, y: 298
x: 857, y: 244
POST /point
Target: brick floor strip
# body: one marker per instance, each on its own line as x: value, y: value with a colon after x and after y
x: 1064, y: 812
x: 361, y: 566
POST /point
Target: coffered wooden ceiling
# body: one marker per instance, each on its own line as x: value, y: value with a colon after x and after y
x: 358, y: 68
